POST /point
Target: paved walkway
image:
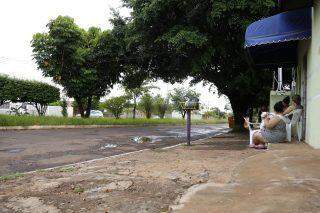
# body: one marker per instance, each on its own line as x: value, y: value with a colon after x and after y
x: 285, y: 178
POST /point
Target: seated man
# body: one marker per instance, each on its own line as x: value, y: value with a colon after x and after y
x: 275, y: 129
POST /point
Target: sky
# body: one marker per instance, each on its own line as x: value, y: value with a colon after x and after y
x: 20, y: 19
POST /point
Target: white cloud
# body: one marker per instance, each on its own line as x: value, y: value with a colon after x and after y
x: 20, y: 19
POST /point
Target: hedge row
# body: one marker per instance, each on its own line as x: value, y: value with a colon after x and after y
x: 37, y: 93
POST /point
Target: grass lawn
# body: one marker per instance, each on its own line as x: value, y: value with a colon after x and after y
x: 12, y: 120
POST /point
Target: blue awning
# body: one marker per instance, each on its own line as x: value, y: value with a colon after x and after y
x: 288, y: 26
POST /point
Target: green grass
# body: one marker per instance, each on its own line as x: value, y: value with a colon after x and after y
x: 78, y: 189
x: 66, y: 169
x: 12, y: 120
x: 11, y: 176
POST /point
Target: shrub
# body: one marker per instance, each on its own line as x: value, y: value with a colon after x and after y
x: 161, y: 106
x: 37, y: 93
x: 146, y: 105
x: 116, y: 105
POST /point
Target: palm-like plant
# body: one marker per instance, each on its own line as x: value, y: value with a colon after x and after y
x: 136, y: 92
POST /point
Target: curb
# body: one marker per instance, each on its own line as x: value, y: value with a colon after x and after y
x: 48, y: 127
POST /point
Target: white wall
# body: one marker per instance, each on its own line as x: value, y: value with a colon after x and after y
x: 310, y: 50
x: 56, y: 111
x: 313, y: 82
x: 51, y: 110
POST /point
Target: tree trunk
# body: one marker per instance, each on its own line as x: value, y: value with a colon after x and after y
x: 134, y: 107
x: 89, y: 105
x: 239, y: 108
x: 41, y: 109
x: 183, y: 114
x: 80, y: 107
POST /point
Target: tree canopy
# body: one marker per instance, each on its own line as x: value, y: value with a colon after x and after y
x: 202, y: 39
x: 85, y: 63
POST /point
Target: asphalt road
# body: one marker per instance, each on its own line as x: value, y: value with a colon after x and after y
x: 28, y: 150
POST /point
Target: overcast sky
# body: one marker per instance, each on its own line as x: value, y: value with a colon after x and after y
x: 20, y: 19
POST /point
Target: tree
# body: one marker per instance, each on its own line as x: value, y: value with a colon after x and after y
x: 116, y: 105
x: 180, y: 96
x: 134, y: 91
x: 202, y: 39
x: 40, y: 95
x: 3, y: 82
x: 85, y: 63
x: 146, y: 105
x: 64, y: 106
x: 161, y: 106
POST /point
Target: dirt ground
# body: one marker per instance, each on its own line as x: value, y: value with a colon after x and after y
x: 28, y: 150
x: 146, y: 181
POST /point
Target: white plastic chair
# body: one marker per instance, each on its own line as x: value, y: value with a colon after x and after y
x: 251, y: 129
x: 295, y: 121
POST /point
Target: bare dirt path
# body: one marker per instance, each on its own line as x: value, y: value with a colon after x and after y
x: 28, y: 150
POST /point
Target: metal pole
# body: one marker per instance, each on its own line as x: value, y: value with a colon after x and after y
x: 188, y: 127
x: 280, y: 79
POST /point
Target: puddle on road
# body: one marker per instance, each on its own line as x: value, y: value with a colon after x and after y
x: 13, y: 150
x: 176, y: 133
x: 108, y: 146
x: 148, y: 139
x: 195, y: 131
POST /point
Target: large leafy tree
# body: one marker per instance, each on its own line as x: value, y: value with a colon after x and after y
x: 85, y: 63
x: 203, y: 39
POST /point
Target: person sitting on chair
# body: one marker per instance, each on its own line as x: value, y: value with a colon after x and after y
x: 286, y: 102
x: 296, y: 104
x: 275, y: 130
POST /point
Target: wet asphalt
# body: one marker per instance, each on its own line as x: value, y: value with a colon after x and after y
x: 29, y: 150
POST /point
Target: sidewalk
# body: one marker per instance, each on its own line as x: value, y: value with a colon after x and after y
x: 286, y: 178
x: 215, y: 175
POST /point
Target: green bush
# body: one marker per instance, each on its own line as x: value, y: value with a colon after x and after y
x: 37, y: 93
x: 146, y: 105
x: 116, y: 105
x: 161, y: 106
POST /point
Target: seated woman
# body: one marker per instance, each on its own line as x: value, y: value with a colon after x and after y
x: 286, y: 102
x: 296, y: 104
x: 275, y: 130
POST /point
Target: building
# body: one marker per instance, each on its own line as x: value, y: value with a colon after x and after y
x: 290, y: 41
